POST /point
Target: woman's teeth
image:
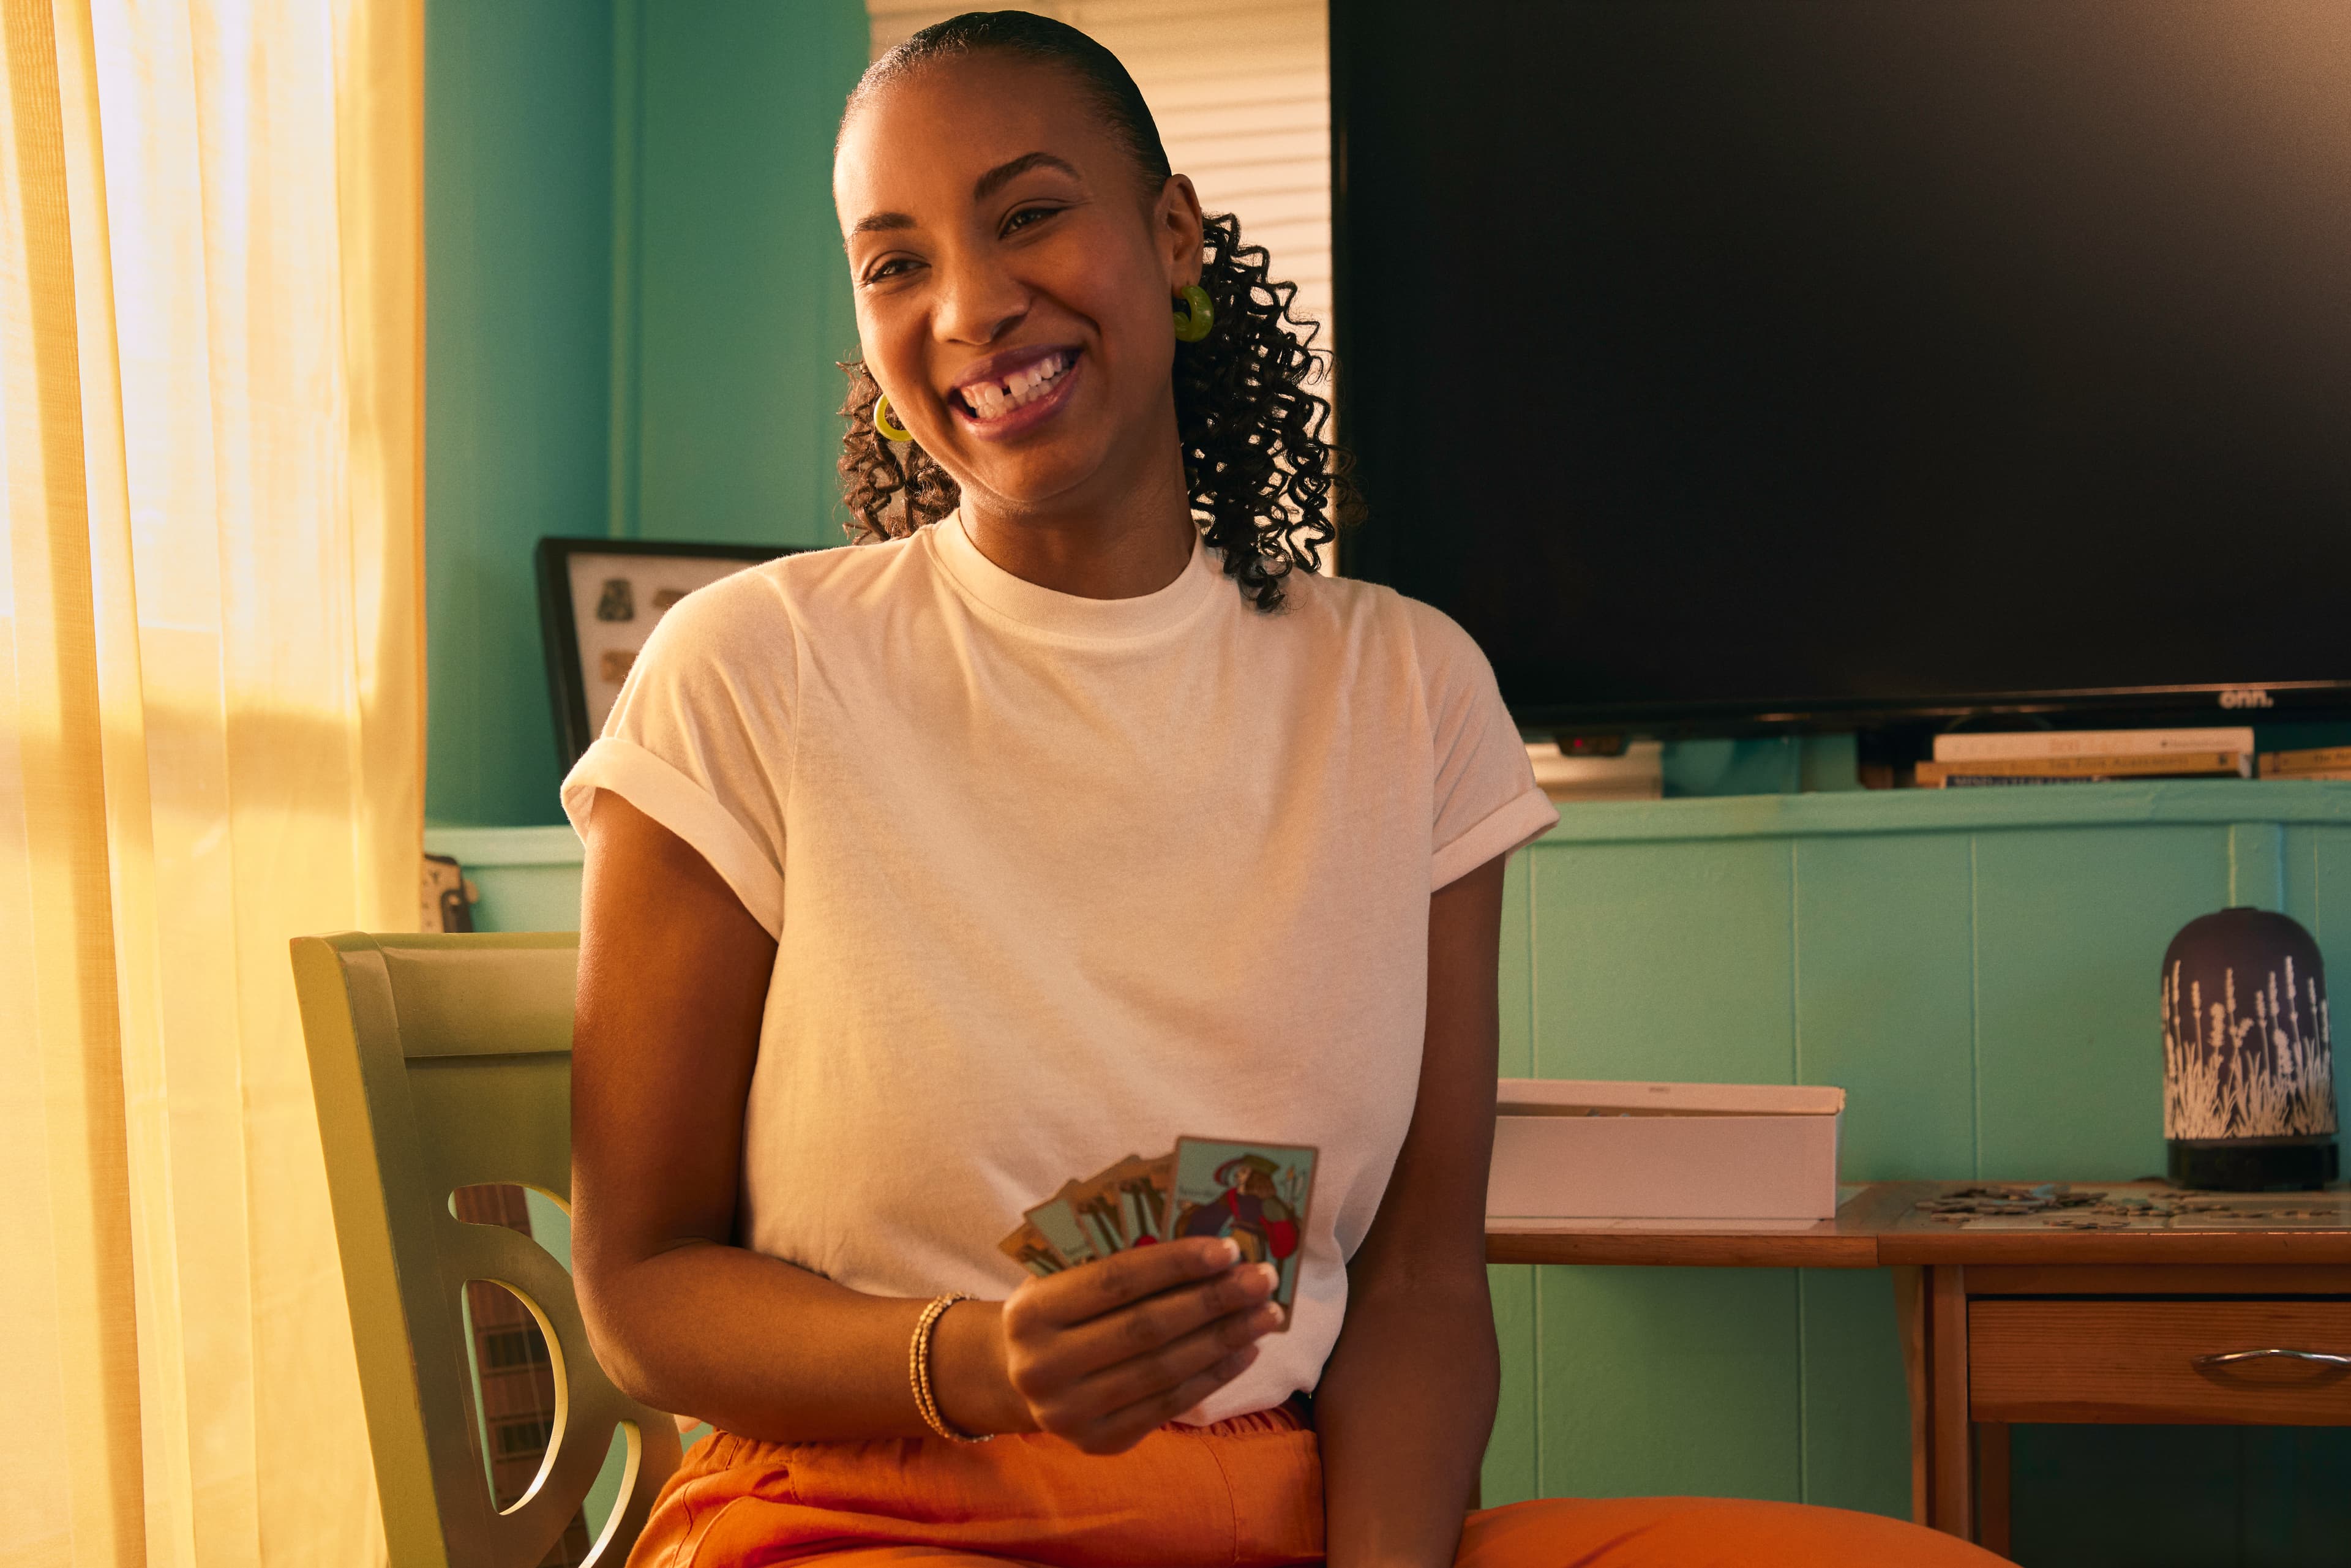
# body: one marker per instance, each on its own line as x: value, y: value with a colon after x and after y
x: 994, y: 400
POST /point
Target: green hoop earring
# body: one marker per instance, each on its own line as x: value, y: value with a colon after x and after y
x: 1199, y: 314
x: 885, y: 423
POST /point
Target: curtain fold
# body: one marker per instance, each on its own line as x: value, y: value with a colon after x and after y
x: 211, y: 740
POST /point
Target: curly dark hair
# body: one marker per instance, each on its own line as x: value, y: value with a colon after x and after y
x: 1268, y: 491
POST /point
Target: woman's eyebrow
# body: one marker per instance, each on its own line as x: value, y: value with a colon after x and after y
x: 996, y: 179
x: 987, y: 185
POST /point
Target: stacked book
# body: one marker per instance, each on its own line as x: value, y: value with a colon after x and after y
x: 2089, y: 757
x: 2324, y: 762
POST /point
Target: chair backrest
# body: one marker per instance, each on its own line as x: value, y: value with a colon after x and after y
x: 441, y: 1062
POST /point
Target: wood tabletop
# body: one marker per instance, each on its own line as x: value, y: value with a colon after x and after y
x: 1882, y: 1224
x: 1848, y: 1241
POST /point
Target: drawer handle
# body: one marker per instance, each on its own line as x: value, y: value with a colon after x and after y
x: 2274, y: 1353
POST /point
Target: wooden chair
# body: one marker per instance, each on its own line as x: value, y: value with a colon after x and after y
x: 443, y: 1063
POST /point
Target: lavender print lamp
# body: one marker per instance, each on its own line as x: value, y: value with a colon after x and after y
x: 2248, y: 1064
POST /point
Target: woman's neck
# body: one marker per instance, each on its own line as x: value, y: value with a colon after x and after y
x: 1124, y: 548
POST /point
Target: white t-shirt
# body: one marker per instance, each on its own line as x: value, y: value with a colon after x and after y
x: 1055, y: 881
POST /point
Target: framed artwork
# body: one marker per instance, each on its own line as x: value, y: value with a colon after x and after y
x: 599, y: 600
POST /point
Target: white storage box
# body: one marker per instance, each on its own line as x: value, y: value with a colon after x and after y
x: 1574, y: 1150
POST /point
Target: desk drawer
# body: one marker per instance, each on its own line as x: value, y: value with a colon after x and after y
x: 2124, y: 1361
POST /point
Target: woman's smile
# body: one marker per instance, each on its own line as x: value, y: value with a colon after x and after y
x: 1012, y: 393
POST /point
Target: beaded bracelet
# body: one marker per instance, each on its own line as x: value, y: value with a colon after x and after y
x: 918, y: 1371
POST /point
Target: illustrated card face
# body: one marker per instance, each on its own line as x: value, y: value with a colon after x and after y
x: 1027, y: 1246
x: 1095, y: 1202
x: 1057, y: 1222
x: 1256, y: 1194
x: 1144, y: 1193
x: 1124, y: 1205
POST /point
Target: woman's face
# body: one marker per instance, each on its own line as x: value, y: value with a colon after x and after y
x: 1014, y: 286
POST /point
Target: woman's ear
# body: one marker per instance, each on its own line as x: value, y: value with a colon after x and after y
x: 1176, y: 223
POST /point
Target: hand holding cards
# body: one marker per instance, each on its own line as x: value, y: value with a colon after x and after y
x: 1155, y: 1278
x: 1254, y: 1194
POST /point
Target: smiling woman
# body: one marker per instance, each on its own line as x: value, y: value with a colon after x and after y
x: 1268, y: 491
x: 1063, y: 818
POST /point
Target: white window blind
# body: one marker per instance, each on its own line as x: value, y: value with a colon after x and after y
x: 1242, y: 90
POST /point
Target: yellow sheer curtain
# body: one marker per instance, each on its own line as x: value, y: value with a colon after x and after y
x: 211, y: 740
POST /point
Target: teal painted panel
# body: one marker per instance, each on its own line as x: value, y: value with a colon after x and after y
x: 526, y: 898
x: 1856, y: 1422
x: 1662, y: 961
x: 2070, y: 925
x: 743, y: 302
x: 2298, y: 875
x: 2330, y: 921
x: 1515, y: 978
x: 1669, y: 1381
x: 2217, y: 801
x: 517, y: 227
x: 2297, y: 1491
x: 2257, y: 865
x: 2130, y: 1496
x: 554, y: 844
x: 1510, y: 1469
x: 1886, y: 1000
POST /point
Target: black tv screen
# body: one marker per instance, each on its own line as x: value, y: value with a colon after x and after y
x: 1725, y: 362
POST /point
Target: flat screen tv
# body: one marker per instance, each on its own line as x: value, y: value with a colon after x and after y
x: 1725, y: 364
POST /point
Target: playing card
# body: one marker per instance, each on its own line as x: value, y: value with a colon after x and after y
x: 1057, y: 1221
x: 1124, y: 1205
x: 1027, y: 1246
x: 1094, y: 1201
x: 1145, y: 1192
x: 1254, y: 1193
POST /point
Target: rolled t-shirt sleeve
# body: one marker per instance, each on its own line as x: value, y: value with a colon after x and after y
x: 1485, y: 801
x: 700, y: 737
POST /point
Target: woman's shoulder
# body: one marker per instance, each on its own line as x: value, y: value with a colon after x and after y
x: 1368, y: 615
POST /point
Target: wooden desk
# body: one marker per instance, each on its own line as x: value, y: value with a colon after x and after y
x: 2038, y: 1318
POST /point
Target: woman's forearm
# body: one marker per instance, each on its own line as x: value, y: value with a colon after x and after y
x: 758, y: 1347
x: 1403, y: 1411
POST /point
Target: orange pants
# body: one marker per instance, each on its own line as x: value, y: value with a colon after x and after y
x: 1246, y: 1493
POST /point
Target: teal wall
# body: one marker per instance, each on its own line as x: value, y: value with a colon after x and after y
x: 518, y: 310
x: 634, y: 302
x: 744, y: 307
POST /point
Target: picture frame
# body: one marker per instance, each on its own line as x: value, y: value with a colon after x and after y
x: 599, y: 600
